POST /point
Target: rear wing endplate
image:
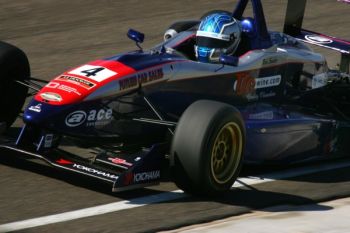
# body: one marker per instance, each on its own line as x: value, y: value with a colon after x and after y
x: 293, y: 26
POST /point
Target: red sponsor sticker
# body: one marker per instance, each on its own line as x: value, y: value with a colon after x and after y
x: 129, y: 177
x: 64, y: 162
x: 120, y: 161
x: 245, y: 84
x: 75, y: 85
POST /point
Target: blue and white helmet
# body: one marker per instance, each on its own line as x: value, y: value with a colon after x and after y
x: 218, y: 33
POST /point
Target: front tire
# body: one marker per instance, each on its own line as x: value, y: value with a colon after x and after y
x: 14, y: 66
x: 207, y: 148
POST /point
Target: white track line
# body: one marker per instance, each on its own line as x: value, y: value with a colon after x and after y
x: 163, y: 197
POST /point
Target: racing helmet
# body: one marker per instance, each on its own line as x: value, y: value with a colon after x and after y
x: 218, y: 33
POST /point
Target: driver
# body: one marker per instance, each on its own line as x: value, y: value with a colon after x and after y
x: 218, y: 33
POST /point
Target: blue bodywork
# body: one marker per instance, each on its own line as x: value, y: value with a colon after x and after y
x: 280, y: 128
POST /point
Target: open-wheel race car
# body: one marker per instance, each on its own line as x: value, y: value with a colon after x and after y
x: 140, y: 114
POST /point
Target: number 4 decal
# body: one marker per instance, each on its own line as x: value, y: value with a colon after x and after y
x: 97, y: 73
x: 92, y: 72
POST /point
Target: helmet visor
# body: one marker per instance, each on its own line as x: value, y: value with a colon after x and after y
x: 209, y: 42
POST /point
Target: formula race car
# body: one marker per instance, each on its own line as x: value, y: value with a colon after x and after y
x: 140, y: 115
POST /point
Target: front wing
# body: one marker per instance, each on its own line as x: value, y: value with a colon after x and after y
x: 128, y: 171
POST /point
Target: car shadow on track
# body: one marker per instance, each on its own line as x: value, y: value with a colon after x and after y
x: 185, y: 209
x: 248, y: 196
x: 255, y: 197
x: 340, y: 174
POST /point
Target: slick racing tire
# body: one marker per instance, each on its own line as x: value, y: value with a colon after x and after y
x: 14, y: 66
x: 207, y: 148
x: 178, y: 27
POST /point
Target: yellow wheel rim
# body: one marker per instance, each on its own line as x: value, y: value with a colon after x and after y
x: 226, y: 153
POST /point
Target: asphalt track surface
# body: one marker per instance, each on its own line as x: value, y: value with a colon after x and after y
x: 58, y: 35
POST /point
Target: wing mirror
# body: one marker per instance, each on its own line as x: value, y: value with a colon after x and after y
x: 229, y: 60
x: 136, y: 36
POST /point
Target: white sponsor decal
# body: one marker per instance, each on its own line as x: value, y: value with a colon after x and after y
x: 77, y: 81
x: 268, y: 82
x: 268, y: 115
x: 75, y: 118
x: 246, y: 84
x: 97, y: 73
x: 48, y: 140
x: 319, y: 80
x: 69, y: 89
x: 318, y: 39
x: 145, y: 176
x: 99, y: 117
x: 93, y: 117
x: 51, y: 96
x: 94, y: 171
x: 267, y: 94
x: 36, y: 108
x: 52, y: 85
x: 55, y: 85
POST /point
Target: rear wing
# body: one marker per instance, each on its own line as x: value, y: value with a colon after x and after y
x: 293, y: 26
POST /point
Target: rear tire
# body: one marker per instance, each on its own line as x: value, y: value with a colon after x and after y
x: 14, y: 65
x: 207, y: 148
x: 178, y: 27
